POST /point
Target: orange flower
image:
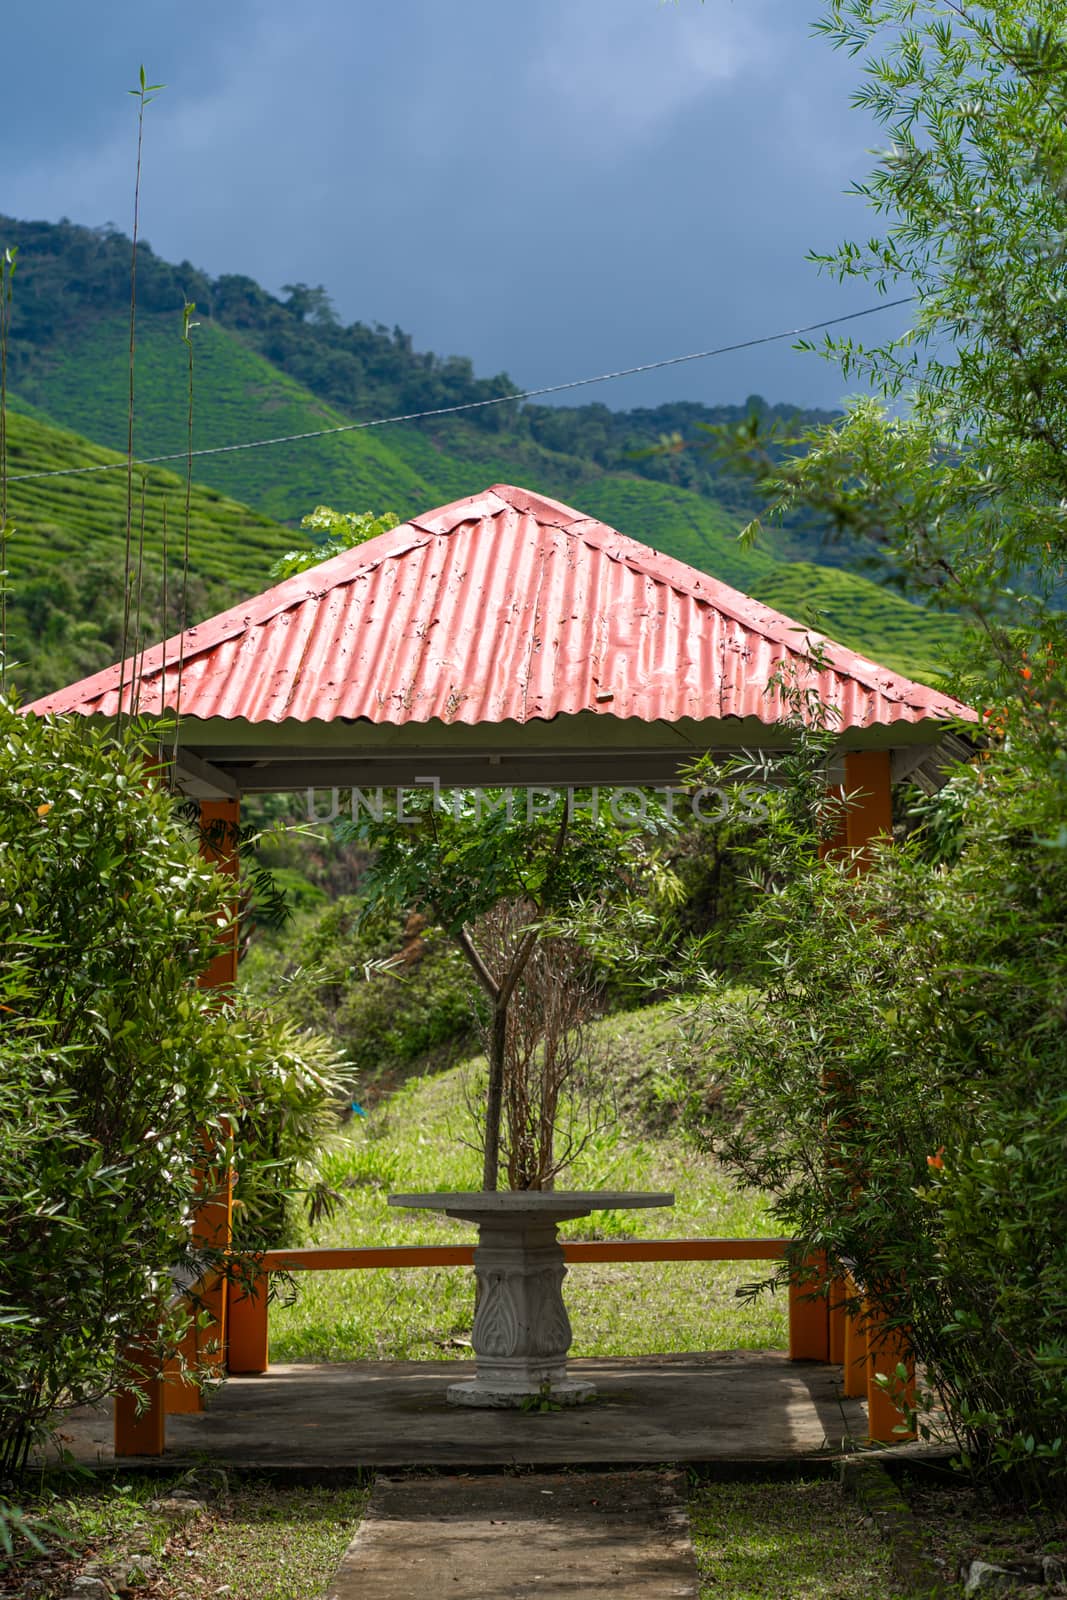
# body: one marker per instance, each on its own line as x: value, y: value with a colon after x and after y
x: 936, y: 1161
x: 1025, y: 672
x: 43, y: 810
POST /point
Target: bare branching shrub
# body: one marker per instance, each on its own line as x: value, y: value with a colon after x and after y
x: 554, y: 1101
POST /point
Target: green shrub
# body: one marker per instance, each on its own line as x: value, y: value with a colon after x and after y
x: 286, y: 1083
x: 392, y: 993
x: 107, y: 913
x: 114, y: 1065
x: 901, y: 1081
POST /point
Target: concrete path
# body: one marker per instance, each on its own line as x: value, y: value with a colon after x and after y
x: 561, y: 1536
x: 730, y: 1406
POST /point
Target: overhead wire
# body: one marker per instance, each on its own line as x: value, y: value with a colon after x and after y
x: 467, y: 405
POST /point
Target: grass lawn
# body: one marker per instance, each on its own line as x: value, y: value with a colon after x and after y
x: 255, y: 1541
x: 259, y: 1541
x: 765, y: 1541
x: 414, y: 1141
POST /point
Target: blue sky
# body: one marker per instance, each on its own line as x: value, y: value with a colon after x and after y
x: 552, y: 187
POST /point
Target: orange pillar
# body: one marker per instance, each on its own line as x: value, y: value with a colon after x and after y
x: 213, y: 1230
x: 887, y: 1348
x: 814, y: 1323
x: 180, y: 1396
x: 247, y: 1344
x: 809, y: 1323
x: 868, y: 777
x: 838, y: 1320
x: 213, y: 1222
x: 854, y: 1349
x: 835, y: 845
x: 140, y: 1433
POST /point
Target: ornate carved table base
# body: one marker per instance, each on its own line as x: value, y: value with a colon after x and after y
x: 521, y: 1329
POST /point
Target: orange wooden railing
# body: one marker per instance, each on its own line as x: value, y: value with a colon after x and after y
x: 818, y: 1328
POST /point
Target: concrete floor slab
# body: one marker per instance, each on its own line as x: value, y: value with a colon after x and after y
x: 573, y: 1536
x: 734, y: 1406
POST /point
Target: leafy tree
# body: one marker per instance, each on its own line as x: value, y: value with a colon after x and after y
x: 901, y: 1082
x: 334, y: 533
x: 122, y: 1082
x: 310, y: 305
x: 108, y: 1077
x: 965, y: 487
x: 459, y: 858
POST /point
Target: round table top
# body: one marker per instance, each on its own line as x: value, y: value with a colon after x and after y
x: 533, y: 1202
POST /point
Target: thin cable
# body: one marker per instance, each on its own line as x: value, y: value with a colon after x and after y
x: 470, y: 405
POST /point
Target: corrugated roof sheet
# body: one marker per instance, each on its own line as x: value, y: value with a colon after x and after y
x: 504, y: 605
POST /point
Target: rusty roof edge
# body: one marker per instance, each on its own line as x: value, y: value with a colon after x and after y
x: 238, y: 619
x: 468, y: 508
x: 749, y: 613
x: 764, y: 718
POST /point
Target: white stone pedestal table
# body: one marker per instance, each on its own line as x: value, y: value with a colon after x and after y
x: 521, y: 1329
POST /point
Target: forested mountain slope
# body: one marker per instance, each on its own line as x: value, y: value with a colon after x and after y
x: 262, y: 368
x: 71, y: 310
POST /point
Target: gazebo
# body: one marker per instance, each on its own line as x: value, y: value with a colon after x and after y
x: 506, y: 640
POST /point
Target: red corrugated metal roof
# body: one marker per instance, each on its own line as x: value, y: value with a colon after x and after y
x: 502, y: 606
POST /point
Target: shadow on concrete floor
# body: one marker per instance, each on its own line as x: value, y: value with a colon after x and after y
x: 732, y: 1406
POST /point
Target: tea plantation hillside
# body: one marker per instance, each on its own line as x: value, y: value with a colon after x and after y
x: 239, y: 396
x: 848, y: 608
x: 65, y: 560
x: 71, y: 278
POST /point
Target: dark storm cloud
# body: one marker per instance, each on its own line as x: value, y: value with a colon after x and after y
x: 556, y: 187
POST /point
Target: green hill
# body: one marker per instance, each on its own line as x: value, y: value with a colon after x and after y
x: 850, y: 608
x: 70, y: 314
x: 238, y: 395
x: 68, y: 362
x: 69, y: 274
x: 65, y: 560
